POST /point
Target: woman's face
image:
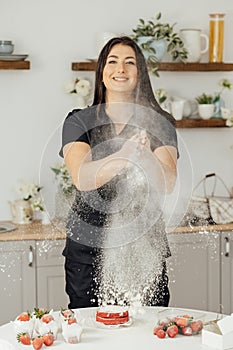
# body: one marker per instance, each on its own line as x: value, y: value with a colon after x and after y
x: 120, y: 72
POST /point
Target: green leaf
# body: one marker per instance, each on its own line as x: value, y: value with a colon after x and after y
x: 56, y: 171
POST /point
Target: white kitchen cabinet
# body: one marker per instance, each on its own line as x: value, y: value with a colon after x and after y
x: 50, y: 275
x: 18, y: 279
x: 194, y: 271
x: 227, y: 272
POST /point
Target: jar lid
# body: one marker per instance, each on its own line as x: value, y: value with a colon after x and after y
x: 217, y: 15
x: 5, y: 42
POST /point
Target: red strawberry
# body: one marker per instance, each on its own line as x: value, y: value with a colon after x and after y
x: 48, y: 339
x: 156, y: 329
x: 186, y: 330
x: 182, y: 321
x: 161, y: 333
x: 172, y: 331
x: 72, y: 320
x: 47, y: 318
x: 24, y: 338
x: 24, y: 316
x: 37, y: 342
x: 196, y: 326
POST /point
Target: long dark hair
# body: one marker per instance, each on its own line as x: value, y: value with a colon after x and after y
x: 144, y: 93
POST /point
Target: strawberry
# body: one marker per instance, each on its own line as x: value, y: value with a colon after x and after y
x: 24, y: 316
x: 71, y: 320
x: 39, y: 312
x: 46, y: 318
x: 156, y: 329
x: 48, y: 339
x: 37, y: 342
x: 186, y: 331
x: 24, y: 338
x: 161, y: 333
x: 196, y: 326
x: 172, y: 331
x: 182, y: 321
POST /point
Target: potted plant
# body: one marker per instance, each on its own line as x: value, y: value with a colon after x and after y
x: 210, y: 105
x: 155, y: 38
x: 205, y: 106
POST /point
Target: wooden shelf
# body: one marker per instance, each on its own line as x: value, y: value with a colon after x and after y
x: 195, y: 67
x: 14, y: 65
x: 201, y: 123
x: 167, y: 66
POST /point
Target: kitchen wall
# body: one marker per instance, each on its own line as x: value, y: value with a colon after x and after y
x: 56, y: 33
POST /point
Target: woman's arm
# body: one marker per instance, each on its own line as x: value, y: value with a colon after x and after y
x: 88, y: 174
x: 167, y: 157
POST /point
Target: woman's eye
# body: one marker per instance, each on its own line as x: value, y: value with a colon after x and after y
x: 130, y: 62
x: 111, y: 61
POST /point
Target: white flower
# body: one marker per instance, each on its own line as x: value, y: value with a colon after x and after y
x: 161, y: 95
x: 63, y: 177
x: 37, y: 204
x: 83, y: 87
x: 229, y: 121
x: 29, y: 191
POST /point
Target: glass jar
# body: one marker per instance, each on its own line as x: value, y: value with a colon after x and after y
x: 216, y: 37
x: 6, y: 47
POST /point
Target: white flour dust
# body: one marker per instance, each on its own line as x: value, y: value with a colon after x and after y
x: 135, y: 238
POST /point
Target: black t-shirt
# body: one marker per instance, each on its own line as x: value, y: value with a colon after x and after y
x: 90, y: 211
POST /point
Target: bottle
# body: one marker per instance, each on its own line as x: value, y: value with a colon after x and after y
x: 216, y: 37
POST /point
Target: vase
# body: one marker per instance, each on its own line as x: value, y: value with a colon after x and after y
x: 21, y: 211
x: 159, y: 46
x: 217, y: 108
x: 45, y: 219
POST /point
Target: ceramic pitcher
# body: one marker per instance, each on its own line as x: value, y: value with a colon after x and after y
x: 21, y: 211
x: 193, y: 41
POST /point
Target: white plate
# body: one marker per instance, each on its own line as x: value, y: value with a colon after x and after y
x: 92, y: 59
x: 6, y: 227
x: 112, y: 326
x: 13, y: 57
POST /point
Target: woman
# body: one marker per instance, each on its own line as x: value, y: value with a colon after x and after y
x: 99, y: 146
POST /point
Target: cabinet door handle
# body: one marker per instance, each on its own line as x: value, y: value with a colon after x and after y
x: 227, y: 246
x: 30, y: 256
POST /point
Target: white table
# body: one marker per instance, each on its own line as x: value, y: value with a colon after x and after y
x: 138, y: 336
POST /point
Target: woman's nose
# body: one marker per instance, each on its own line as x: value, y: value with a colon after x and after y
x: 120, y: 67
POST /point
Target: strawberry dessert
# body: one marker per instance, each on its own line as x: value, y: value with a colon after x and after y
x: 112, y: 315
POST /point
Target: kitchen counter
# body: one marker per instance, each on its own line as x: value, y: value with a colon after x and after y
x: 35, y: 231
x: 56, y: 230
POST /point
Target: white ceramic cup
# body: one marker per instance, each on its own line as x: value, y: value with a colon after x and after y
x: 193, y: 41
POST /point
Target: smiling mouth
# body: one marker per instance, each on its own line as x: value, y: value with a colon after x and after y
x: 120, y: 79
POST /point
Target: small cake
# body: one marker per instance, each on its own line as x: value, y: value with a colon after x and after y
x: 71, y: 330
x: 112, y: 315
x: 24, y: 323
